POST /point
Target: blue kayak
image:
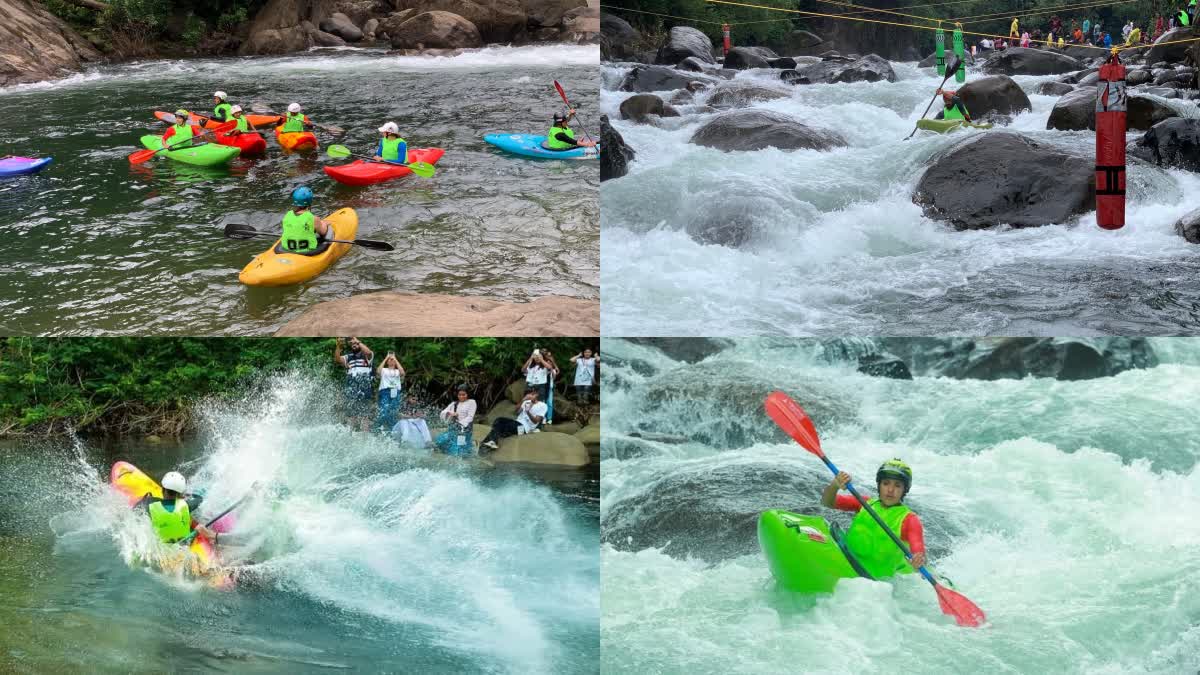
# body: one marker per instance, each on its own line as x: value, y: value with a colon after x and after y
x: 19, y: 166
x: 529, y: 145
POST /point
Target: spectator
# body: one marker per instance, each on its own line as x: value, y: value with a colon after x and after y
x: 358, y: 394
x: 391, y: 385
x: 1087, y: 29
x: 460, y: 415
x: 585, y: 375
x: 412, y: 429
x: 537, y: 372
x: 554, y: 370
x: 530, y: 413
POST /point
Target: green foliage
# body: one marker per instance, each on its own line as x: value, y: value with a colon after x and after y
x: 193, y: 30
x: 75, y: 15
x: 230, y: 19
x: 130, y: 384
x: 144, y: 16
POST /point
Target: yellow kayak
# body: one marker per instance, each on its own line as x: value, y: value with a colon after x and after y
x: 274, y: 268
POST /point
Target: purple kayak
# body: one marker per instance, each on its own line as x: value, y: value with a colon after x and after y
x: 19, y: 166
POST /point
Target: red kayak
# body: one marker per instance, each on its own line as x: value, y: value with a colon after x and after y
x: 365, y: 172
x: 249, y: 142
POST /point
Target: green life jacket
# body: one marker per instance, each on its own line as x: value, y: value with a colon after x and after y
x: 552, y: 141
x: 874, y: 549
x: 223, y: 112
x: 182, y: 134
x: 299, y: 231
x: 953, y: 113
x: 171, y: 526
x: 293, y: 123
x: 1182, y: 19
x: 391, y: 150
x: 243, y: 124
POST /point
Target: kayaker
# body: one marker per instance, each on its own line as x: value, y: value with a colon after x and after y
x: 562, y: 137
x: 391, y: 147
x: 243, y: 122
x: 358, y: 392
x: 952, y: 106
x: 222, y: 111
x: 303, y: 230
x: 873, y: 548
x: 181, y: 131
x: 295, y: 119
x: 171, y: 516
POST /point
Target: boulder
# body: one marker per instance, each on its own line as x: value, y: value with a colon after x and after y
x: 615, y: 156
x: 1025, y: 61
x: 1172, y: 53
x: 743, y: 58
x: 323, y: 39
x: 35, y: 45
x: 1174, y: 143
x: 563, y: 427
x: 1137, y: 76
x: 582, y: 21
x: 546, y: 447
x: 370, y: 27
x: 495, y: 20
x: 992, y: 96
x: 1033, y: 184
x: 682, y: 42
x: 692, y: 64
x: 1188, y: 227
x: 515, y: 392
x: 502, y: 408
x: 279, y: 28
x: 640, y: 106
x: 870, y: 68
x: 1077, y: 111
x: 1052, y: 89
x: 660, y: 78
x: 741, y: 94
x: 1074, y: 78
x: 594, y: 420
x: 400, y: 314
x: 619, y: 41
x: 686, y: 350
x: 437, y: 29
x: 390, y: 24
x: 753, y: 129
x: 782, y: 63
x: 548, y: 13
x: 340, y: 25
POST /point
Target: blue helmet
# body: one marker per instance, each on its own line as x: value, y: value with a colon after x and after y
x: 302, y: 196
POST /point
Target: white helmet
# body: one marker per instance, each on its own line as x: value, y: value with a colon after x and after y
x: 294, y: 108
x: 174, y: 481
x: 221, y: 95
x: 390, y: 127
x: 235, y: 109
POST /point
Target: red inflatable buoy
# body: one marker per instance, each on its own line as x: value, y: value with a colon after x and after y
x: 1110, y: 145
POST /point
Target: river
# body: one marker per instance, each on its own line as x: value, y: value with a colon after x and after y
x: 95, y: 245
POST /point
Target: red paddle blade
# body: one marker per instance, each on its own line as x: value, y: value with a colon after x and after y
x: 226, y: 127
x: 140, y: 156
x: 791, y: 418
x: 965, y: 612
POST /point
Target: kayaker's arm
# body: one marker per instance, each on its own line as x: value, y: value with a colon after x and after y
x: 829, y: 496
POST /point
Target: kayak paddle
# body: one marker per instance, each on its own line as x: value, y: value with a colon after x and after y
x: 422, y: 169
x: 190, y: 537
x: 262, y: 109
x: 202, y: 117
x: 145, y: 155
x: 791, y: 418
x: 242, y: 231
x: 571, y: 111
x: 950, y: 70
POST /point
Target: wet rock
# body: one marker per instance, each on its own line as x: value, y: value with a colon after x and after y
x: 35, y: 45
x: 1023, y: 61
x: 687, y: 350
x: 646, y: 79
x: 619, y: 41
x: 438, y: 30
x: 546, y: 447
x: 738, y: 94
x: 1171, y: 53
x: 743, y: 58
x: 682, y: 42
x: 390, y: 24
x: 615, y: 156
x: 1017, y: 358
x: 988, y: 97
x: 369, y: 28
x: 323, y: 39
x: 640, y: 106
x: 884, y: 365
x: 1074, y: 78
x: 1053, y: 89
x: 549, y: 13
x: 1174, y: 143
x: 870, y: 68
x: 499, y: 21
x: 340, y: 25
x: 400, y: 314
x: 783, y: 63
x: 1188, y: 227
x: 692, y: 64
x: 1090, y: 79
x: 1030, y: 185
x: 1077, y: 111
x: 751, y: 129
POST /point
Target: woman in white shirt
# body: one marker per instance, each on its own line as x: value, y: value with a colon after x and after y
x: 537, y: 374
x: 585, y: 375
x: 459, y: 415
x: 391, y: 385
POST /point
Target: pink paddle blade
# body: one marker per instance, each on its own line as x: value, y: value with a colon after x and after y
x: 965, y: 612
x: 791, y: 418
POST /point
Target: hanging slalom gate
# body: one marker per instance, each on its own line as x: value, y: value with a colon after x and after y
x: 1110, y: 145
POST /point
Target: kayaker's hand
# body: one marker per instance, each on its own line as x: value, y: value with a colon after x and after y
x: 841, y: 479
x: 918, y: 560
x: 205, y: 531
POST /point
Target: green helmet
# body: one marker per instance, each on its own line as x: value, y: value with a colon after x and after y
x: 894, y: 468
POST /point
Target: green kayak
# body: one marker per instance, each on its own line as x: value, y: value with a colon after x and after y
x: 942, y: 126
x: 208, y: 154
x: 801, y: 552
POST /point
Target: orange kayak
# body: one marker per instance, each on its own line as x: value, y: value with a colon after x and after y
x: 299, y: 140
x: 255, y: 120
